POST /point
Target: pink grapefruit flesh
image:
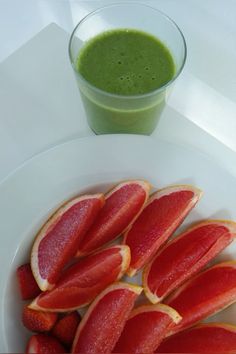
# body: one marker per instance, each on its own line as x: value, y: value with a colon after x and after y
x: 146, y: 328
x: 206, y: 294
x: 104, y: 321
x: 185, y: 256
x: 122, y: 205
x: 205, y: 338
x: 59, y: 238
x: 162, y: 215
x: 83, y: 281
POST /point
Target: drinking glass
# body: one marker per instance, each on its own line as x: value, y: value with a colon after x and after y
x: 113, y: 113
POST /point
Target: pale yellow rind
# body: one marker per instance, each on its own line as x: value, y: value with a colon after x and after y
x: 164, y: 192
x: 144, y: 184
x: 43, y: 283
x: 230, y: 225
x: 146, y: 187
x: 119, y: 285
x: 186, y: 284
x: 227, y: 326
x: 126, y: 257
x: 35, y: 306
x: 172, y: 313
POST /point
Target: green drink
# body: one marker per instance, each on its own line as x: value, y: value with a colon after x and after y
x: 126, y: 62
x: 123, y: 75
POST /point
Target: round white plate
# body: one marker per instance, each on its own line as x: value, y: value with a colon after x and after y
x: 34, y: 190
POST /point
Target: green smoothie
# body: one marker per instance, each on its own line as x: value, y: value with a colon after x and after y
x: 128, y: 63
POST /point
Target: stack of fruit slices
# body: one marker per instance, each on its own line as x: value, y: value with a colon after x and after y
x: 78, y: 261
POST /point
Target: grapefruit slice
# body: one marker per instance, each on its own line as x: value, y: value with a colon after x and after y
x: 185, y: 256
x: 206, y: 294
x: 204, y: 338
x: 164, y: 212
x: 104, y: 321
x: 58, y: 240
x: 146, y: 328
x: 83, y: 281
x: 122, y: 206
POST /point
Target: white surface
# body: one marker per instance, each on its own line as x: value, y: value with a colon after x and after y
x: 36, y: 189
x: 41, y: 106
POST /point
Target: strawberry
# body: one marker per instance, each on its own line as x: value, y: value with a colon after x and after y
x: 44, y: 344
x: 38, y: 321
x: 28, y: 286
x: 65, y: 328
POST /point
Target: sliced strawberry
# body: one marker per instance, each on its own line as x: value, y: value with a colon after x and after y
x: 44, y: 344
x: 66, y: 327
x: 38, y: 321
x: 28, y: 286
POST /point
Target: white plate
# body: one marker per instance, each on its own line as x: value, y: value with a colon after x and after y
x: 33, y: 191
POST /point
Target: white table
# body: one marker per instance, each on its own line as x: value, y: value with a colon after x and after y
x: 39, y: 100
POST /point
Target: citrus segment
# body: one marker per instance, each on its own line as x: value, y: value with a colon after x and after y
x: 162, y: 215
x: 44, y: 344
x: 185, y: 256
x: 104, y: 321
x: 204, y: 295
x: 122, y: 205
x: 146, y: 328
x: 59, y: 238
x: 27, y: 284
x: 83, y: 281
x: 205, y: 338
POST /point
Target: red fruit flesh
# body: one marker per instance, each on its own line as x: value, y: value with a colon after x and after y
x: 204, y: 295
x: 66, y: 327
x: 27, y: 284
x: 102, y: 325
x: 83, y: 281
x: 59, y: 239
x: 44, y: 344
x: 185, y: 256
x: 205, y: 338
x: 160, y: 218
x: 122, y: 205
x: 37, y: 321
x: 145, y: 329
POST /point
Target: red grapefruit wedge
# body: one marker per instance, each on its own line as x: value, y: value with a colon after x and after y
x: 83, y: 281
x: 104, y: 321
x: 206, y: 294
x: 58, y: 240
x: 205, y: 338
x: 185, y: 256
x: 164, y: 212
x: 122, y: 206
x: 146, y: 327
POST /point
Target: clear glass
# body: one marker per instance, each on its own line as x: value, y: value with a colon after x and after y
x: 112, y: 113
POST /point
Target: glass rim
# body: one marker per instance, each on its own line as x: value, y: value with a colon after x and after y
x: 114, y: 95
